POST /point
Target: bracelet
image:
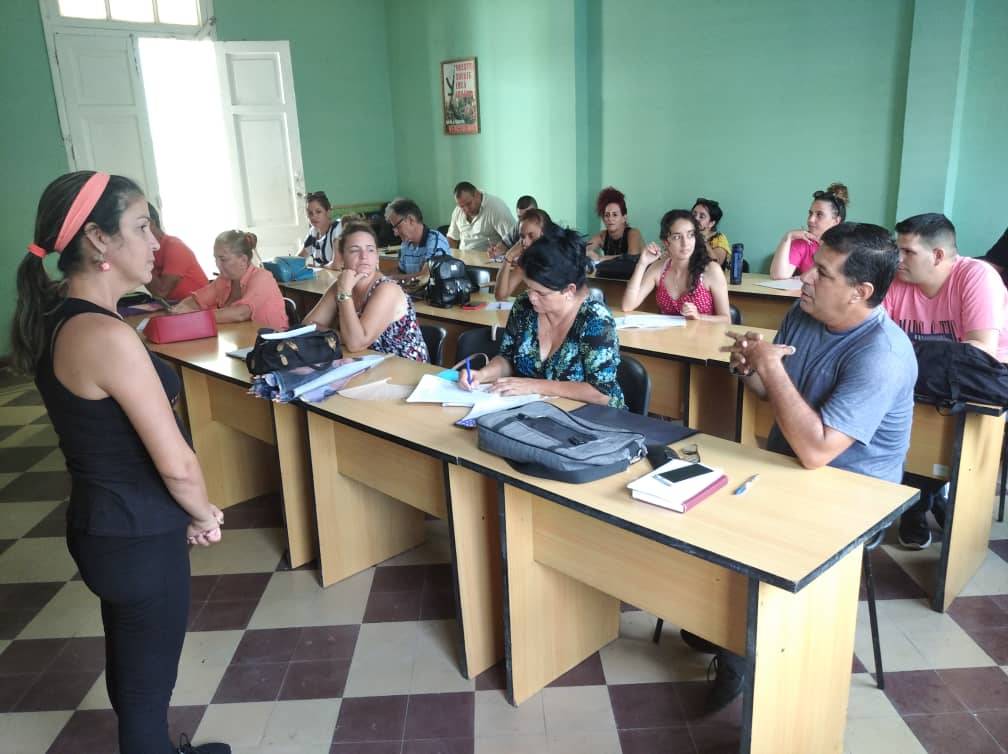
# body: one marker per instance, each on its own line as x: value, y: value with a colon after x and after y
x: 343, y: 296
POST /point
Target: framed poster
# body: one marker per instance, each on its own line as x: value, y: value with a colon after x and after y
x: 460, y: 96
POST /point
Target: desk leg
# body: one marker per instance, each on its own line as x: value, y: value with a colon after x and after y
x: 713, y: 401
x: 474, y: 529
x: 233, y: 437
x: 358, y: 526
x: 968, y: 519
x: 801, y: 646
x: 552, y: 622
x: 296, y: 481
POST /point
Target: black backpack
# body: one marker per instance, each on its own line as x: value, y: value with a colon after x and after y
x: 449, y: 283
x: 951, y: 374
x: 618, y: 268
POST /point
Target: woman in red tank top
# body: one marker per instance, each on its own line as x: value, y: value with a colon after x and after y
x: 689, y: 282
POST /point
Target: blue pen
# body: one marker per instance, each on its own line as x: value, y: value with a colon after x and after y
x: 744, y: 487
x: 468, y: 373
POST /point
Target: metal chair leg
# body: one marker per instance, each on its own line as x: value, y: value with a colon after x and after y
x: 657, y: 631
x: 873, y: 617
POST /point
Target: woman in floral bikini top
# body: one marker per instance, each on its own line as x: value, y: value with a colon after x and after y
x: 689, y: 271
x: 367, y: 313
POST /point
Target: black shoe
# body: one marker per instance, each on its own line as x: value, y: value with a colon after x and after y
x: 698, y: 642
x: 185, y: 747
x: 729, y: 678
x: 914, y: 532
x: 938, y: 508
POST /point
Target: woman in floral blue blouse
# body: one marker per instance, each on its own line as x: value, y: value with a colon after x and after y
x: 558, y: 342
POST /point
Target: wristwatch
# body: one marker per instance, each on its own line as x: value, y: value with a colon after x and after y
x: 343, y: 296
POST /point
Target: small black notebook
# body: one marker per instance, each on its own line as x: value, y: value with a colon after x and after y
x: 655, y: 431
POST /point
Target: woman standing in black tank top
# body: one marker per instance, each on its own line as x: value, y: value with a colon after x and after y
x: 138, y: 494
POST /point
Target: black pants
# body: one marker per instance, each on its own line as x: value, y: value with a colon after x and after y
x: 143, y: 584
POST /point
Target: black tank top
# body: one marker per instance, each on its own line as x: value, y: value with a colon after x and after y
x: 611, y: 246
x: 116, y: 489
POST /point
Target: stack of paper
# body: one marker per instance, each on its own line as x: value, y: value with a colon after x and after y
x: 649, y: 321
x: 787, y: 284
x: 678, y: 496
x: 434, y: 389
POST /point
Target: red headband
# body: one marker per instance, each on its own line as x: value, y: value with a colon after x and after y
x: 82, y: 206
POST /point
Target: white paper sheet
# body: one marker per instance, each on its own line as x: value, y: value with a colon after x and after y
x: 381, y: 390
x: 289, y: 333
x: 649, y: 321
x: 788, y: 284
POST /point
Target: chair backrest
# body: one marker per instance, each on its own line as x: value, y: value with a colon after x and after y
x: 434, y: 337
x: 443, y: 230
x: 745, y: 265
x: 293, y: 320
x: 735, y: 314
x: 479, y: 340
x: 480, y: 278
x: 596, y: 294
x: 633, y: 379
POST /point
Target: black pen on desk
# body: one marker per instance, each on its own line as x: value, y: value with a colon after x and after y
x: 744, y: 487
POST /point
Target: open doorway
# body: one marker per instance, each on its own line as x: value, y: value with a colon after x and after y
x: 191, y: 151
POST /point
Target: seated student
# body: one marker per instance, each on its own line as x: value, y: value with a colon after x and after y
x: 617, y: 238
x: 509, y: 241
x: 244, y: 291
x: 939, y: 294
x: 793, y: 255
x: 176, y: 272
x: 367, y: 308
x: 690, y: 283
x: 532, y: 226
x: 479, y: 220
x: 997, y: 257
x: 839, y: 377
x: 320, y: 243
x: 419, y: 243
x: 708, y: 214
x: 558, y: 341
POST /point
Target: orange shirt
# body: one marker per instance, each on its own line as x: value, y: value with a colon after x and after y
x: 175, y: 258
x: 259, y: 292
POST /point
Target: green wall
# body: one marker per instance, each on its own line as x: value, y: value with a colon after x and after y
x: 980, y: 206
x: 341, y: 83
x: 755, y: 105
x: 526, y: 69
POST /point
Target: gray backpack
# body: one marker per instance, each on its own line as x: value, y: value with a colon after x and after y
x: 545, y: 441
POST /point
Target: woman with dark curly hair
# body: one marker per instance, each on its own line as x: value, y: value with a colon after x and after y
x: 617, y: 238
x: 690, y: 283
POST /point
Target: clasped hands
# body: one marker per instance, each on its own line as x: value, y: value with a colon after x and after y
x: 750, y: 353
x: 206, y: 531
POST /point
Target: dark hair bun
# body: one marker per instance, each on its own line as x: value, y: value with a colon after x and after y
x: 840, y: 192
x: 556, y: 259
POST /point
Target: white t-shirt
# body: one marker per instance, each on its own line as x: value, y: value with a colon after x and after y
x: 323, y: 249
x: 493, y: 221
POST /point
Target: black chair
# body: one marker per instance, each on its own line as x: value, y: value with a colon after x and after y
x: 745, y: 266
x: 596, y: 294
x: 480, y: 278
x: 633, y: 379
x: 434, y: 337
x: 479, y: 340
x: 869, y: 581
x: 293, y: 320
x: 443, y: 230
x: 735, y: 314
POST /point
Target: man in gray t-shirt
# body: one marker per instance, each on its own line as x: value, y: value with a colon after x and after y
x: 839, y: 377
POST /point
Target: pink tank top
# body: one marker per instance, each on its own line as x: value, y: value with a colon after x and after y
x: 700, y: 296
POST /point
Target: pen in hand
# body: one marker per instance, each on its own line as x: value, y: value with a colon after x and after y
x: 468, y: 372
x: 744, y: 487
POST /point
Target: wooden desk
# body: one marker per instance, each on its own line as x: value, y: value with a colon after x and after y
x: 965, y: 450
x: 246, y: 446
x: 772, y: 576
x: 760, y: 306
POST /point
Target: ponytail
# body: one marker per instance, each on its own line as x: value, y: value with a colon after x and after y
x: 37, y: 294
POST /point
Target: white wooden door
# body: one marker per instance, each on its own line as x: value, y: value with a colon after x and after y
x: 257, y: 88
x: 106, y: 114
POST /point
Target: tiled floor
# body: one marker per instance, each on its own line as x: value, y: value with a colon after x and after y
x: 273, y: 663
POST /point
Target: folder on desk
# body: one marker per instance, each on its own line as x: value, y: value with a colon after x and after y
x: 677, y: 496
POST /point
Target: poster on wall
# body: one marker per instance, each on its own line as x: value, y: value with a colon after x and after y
x: 460, y: 96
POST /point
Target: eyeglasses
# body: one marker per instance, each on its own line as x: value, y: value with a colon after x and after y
x: 401, y: 221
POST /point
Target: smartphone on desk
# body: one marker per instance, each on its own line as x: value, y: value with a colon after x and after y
x: 684, y: 472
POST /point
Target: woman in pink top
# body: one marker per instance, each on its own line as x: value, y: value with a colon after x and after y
x: 689, y: 283
x: 243, y: 291
x: 793, y: 255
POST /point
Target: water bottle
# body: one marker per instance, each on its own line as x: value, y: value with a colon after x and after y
x: 737, y: 250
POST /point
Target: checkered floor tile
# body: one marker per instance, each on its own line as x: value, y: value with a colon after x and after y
x: 274, y: 663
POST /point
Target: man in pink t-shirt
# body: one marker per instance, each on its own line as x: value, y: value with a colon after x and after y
x: 939, y: 294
